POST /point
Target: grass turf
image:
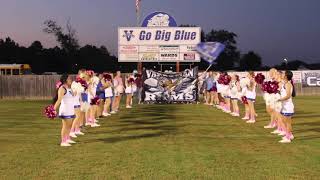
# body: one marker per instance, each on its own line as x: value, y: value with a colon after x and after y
x: 159, y: 142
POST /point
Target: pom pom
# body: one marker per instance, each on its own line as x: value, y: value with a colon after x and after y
x: 107, y: 77
x: 130, y: 80
x: 244, y: 100
x: 50, y: 112
x: 224, y: 79
x: 58, y: 84
x: 270, y: 87
x: 95, y: 101
x: 77, y: 87
x: 83, y: 83
x: 259, y: 78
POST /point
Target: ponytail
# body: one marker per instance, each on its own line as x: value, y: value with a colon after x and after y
x: 289, y: 76
x: 63, y: 80
x: 293, y: 89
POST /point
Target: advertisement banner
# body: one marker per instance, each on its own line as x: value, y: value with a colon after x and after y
x: 311, y: 78
x: 171, y: 43
x: 170, y: 87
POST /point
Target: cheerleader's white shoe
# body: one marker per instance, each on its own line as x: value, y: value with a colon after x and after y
x: 245, y: 118
x: 72, y: 134
x: 285, y: 140
x: 282, y: 133
x: 106, y: 114
x: 65, y: 144
x: 275, y: 131
x: 113, y: 112
x: 69, y: 141
x: 128, y: 107
x: 268, y: 126
x: 291, y: 137
x: 251, y: 121
x: 95, y: 125
x: 236, y: 114
x: 79, y: 133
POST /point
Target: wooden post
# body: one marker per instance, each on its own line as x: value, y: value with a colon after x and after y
x: 139, y: 67
x: 178, y: 66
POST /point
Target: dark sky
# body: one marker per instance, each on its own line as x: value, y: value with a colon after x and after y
x: 275, y: 29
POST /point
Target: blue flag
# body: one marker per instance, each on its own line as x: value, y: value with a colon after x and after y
x: 210, y: 51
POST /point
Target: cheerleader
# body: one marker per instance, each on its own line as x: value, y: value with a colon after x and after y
x: 214, y: 88
x: 270, y: 110
x: 84, y: 99
x: 287, y: 92
x: 64, y: 100
x: 244, y: 82
x: 118, y: 91
x: 100, y: 93
x: 92, y: 86
x: 234, y: 91
x: 75, y: 130
x: 219, y: 93
x: 129, y: 91
x: 276, y: 106
x: 227, y: 97
x: 108, y: 94
x: 210, y: 88
x: 251, y: 97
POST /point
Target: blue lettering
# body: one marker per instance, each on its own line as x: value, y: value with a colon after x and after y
x: 145, y: 35
x: 163, y: 35
x: 184, y: 36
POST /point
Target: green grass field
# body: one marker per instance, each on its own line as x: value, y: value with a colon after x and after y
x: 159, y: 142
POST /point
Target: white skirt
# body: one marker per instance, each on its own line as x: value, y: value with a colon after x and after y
x: 129, y: 90
x: 108, y: 92
x: 66, y: 111
x: 251, y: 95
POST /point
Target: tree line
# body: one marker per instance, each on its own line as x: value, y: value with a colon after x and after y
x: 69, y: 56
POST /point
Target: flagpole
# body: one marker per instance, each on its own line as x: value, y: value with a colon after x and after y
x: 139, y: 68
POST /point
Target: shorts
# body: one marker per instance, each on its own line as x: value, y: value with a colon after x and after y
x: 76, y: 106
x: 251, y: 99
x: 101, y: 96
x: 287, y: 114
x: 213, y: 89
x: 67, y: 117
x: 84, y: 97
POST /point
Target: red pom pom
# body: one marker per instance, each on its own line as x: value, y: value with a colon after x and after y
x: 244, y: 100
x: 270, y: 87
x: 107, y: 77
x: 82, y: 82
x: 50, y: 112
x: 227, y: 79
x: 95, y: 101
x: 130, y: 80
x: 259, y: 78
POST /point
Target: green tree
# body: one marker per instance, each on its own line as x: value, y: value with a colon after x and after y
x: 250, y: 61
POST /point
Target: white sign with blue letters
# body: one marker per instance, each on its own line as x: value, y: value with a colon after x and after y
x: 168, y: 44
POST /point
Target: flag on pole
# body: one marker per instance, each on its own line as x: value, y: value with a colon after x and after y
x: 210, y: 51
x: 138, y: 5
